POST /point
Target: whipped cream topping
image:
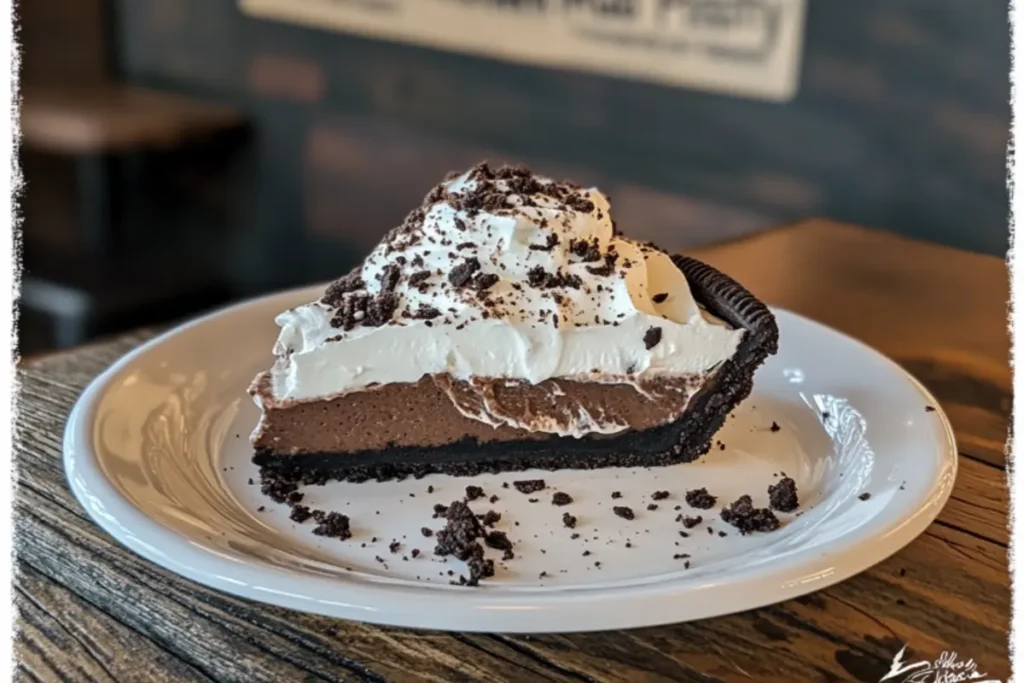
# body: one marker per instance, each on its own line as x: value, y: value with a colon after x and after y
x: 500, y: 274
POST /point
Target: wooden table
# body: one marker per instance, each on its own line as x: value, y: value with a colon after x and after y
x: 90, y: 610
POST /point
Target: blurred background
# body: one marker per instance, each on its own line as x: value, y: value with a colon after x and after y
x: 180, y: 154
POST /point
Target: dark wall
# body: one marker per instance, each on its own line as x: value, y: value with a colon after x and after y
x: 901, y: 122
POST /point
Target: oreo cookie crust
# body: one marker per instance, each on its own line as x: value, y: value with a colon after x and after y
x: 682, y: 440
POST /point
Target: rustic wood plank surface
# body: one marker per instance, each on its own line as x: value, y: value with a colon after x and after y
x: 91, y: 611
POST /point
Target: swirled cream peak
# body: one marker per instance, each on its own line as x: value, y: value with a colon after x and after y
x: 500, y: 274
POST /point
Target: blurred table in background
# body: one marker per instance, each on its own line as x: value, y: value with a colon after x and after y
x: 88, y: 608
x: 115, y: 258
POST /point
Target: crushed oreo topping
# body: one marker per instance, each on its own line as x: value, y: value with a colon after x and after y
x: 782, y: 496
x: 569, y: 521
x: 300, y: 513
x: 652, y: 337
x: 744, y: 516
x: 461, y: 274
x: 700, y: 499
x: 490, y: 518
x: 529, y: 485
x: 623, y: 511
x: 459, y: 537
x: 333, y: 525
x: 561, y: 498
x: 499, y: 540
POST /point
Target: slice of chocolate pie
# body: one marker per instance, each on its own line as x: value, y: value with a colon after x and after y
x: 507, y: 325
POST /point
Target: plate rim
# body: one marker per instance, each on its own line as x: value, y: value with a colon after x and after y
x: 572, y: 611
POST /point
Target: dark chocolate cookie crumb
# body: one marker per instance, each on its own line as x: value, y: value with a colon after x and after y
x: 529, y: 485
x: 430, y: 489
x: 561, y: 498
x: 278, y: 490
x: 782, y: 496
x: 440, y: 510
x: 500, y: 541
x: 623, y: 511
x: 333, y: 525
x: 700, y: 499
x: 651, y: 337
x: 652, y: 506
x: 419, y: 277
x: 461, y: 274
x: 493, y: 499
x: 427, y: 531
x: 616, y: 494
x: 473, y: 492
x: 459, y: 539
x: 490, y: 518
x: 415, y: 553
x: 658, y: 298
x: 659, y: 495
x: 569, y: 520
x: 394, y: 546
x: 929, y: 409
x: 300, y: 513
x: 775, y: 427
x: 690, y: 522
x: 744, y: 516
x: 680, y: 556
x: 864, y: 496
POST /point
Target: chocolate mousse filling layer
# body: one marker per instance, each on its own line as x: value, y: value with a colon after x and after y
x: 438, y: 424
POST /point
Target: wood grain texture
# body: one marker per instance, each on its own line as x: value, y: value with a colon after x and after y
x: 91, y: 611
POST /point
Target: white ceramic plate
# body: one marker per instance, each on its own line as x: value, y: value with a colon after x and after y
x: 156, y: 451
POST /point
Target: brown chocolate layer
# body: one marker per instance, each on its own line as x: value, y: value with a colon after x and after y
x: 440, y: 410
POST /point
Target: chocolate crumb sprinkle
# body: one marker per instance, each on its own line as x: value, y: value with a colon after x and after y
x: 652, y: 337
x: 782, y: 496
x: 700, y: 499
x: 333, y: 525
x: 561, y: 498
x: 744, y: 516
x: 623, y: 511
x: 300, y: 513
x: 463, y: 273
x: 529, y: 485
